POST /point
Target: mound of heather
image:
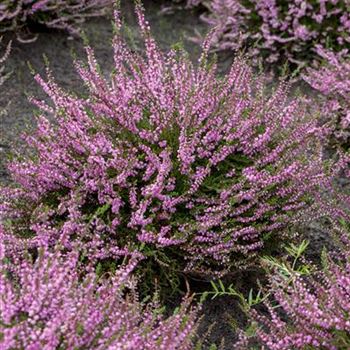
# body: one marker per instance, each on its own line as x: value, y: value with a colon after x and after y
x: 166, y: 158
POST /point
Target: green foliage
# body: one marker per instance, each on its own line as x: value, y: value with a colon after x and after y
x: 287, y: 269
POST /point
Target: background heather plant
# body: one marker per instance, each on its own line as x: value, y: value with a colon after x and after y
x: 50, y: 303
x: 168, y: 159
x: 332, y: 80
x: 61, y: 14
x: 279, y: 30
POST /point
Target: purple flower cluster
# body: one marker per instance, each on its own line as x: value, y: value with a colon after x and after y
x: 315, y: 309
x: 279, y: 30
x: 49, y: 302
x: 60, y: 14
x: 165, y: 155
x: 332, y: 80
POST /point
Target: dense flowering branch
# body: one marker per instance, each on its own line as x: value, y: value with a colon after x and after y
x: 48, y: 303
x: 60, y: 14
x: 332, y: 80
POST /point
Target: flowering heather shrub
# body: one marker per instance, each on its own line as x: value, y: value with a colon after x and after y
x: 60, y: 14
x: 167, y: 158
x: 314, y: 308
x: 280, y: 30
x: 47, y: 304
x: 332, y: 79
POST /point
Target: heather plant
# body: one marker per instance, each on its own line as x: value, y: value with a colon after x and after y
x: 197, y: 172
x: 332, y: 80
x: 277, y: 30
x: 18, y: 15
x: 49, y: 301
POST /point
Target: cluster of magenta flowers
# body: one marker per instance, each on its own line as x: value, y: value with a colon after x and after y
x: 166, y: 155
x: 332, y: 80
x: 279, y: 30
x: 17, y: 15
x: 53, y: 301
